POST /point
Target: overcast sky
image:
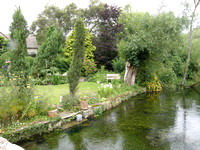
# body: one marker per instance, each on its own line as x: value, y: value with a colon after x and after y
x: 31, y: 8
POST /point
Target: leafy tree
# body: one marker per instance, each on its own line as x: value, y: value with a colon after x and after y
x: 106, y: 40
x: 19, y: 33
x: 47, y: 52
x: 74, y: 72
x: 91, y: 15
x: 147, y: 40
x: 53, y: 16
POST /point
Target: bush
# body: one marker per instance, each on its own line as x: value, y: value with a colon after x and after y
x: 29, y: 62
x: 105, y: 90
x: 51, y: 76
x: 88, y: 68
x: 118, y: 65
x: 70, y: 103
x: 100, y: 76
x: 4, y: 57
x: 62, y: 64
x: 154, y: 85
x: 17, y: 101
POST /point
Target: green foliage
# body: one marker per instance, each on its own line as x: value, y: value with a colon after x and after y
x: 154, y: 85
x: 47, y: 53
x: 105, y: 90
x: 51, y: 107
x: 4, y: 57
x: 142, y: 31
x: 52, y: 77
x: 194, y: 65
x: 74, y: 72
x: 89, y: 67
x: 89, y: 48
x: 29, y: 62
x: 53, y: 16
x: 17, y: 103
x: 98, y: 112
x: 62, y: 63
x: 19, y: 33
x: 70, y: 103
x: 3, y: 45
x: 152, y: 43
x: 100, y: 76
x: 118, y: 65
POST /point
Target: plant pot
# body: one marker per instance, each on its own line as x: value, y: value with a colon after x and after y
x: 52, y: 113
x: 84, y: 104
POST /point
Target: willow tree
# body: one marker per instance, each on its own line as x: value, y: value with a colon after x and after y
x: 74, y: 72
x: 146, y: 37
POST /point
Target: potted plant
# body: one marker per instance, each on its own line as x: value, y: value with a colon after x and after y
x: 52, y: 110
x: 84, y: 99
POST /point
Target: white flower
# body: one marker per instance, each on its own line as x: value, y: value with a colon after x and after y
x: 98, y: 82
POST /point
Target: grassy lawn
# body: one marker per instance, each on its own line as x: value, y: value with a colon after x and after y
x: 53, y: 92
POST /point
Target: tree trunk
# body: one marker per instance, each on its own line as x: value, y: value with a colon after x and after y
x: 130, y: 74
x: 190, y: 42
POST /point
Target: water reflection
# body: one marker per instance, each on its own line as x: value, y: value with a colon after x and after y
x: 165, y: 121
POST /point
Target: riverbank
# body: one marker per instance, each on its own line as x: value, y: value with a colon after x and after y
x: 63, y: 118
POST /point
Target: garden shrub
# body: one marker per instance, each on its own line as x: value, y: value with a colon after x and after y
x: 69, y: 102
x: 154, y: 85
x: 4, y: 57
x: 17, y: 101
x: 51, y: 76
x: 105, y: 90
x: 88, y: 68
x: 29, y: 62
x: 100, y: 76
x: 118, y: 65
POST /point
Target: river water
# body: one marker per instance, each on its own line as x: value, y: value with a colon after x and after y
x: 170, y: 120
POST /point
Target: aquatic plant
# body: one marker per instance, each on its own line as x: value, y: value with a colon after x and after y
x: 154, y: 85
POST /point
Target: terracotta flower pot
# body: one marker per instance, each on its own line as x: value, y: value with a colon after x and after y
x: 84, y: 104
x: 52, y: 113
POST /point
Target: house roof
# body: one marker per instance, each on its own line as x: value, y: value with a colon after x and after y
x: 6, y: 36
x: 31, y: 42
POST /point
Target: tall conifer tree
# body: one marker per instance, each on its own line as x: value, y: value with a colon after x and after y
x: 19, y: 33
x: 74, y: 72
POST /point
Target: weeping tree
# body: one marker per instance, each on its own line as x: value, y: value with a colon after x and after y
x: 146, y: 38
x: 74, y: 72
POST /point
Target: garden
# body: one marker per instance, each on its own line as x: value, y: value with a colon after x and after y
x: 148, y: 52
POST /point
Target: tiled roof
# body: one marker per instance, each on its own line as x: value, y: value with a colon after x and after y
x: 5, y: 35
x: 31, y: 42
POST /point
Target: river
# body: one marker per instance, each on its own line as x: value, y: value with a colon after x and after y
x: 170, y: 120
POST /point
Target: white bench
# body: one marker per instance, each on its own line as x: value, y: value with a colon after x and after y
x: 112, y: 76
